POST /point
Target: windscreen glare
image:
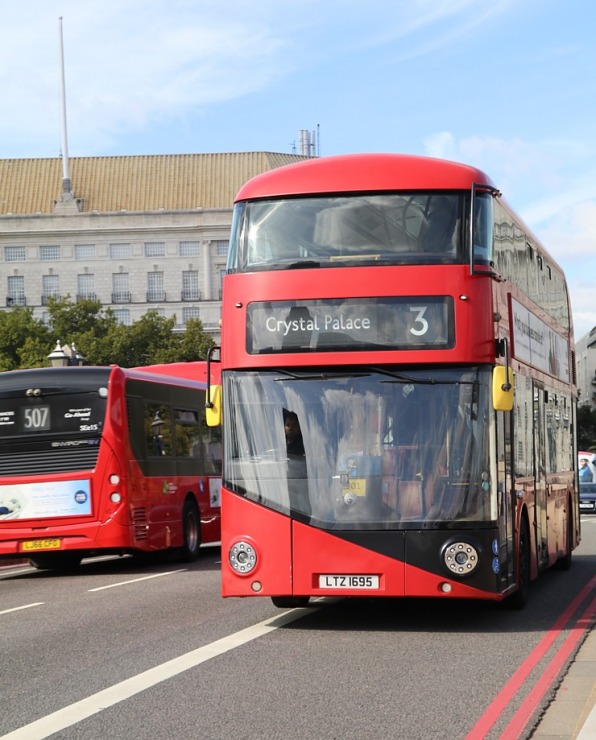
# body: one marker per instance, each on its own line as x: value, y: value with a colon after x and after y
x: 368, y: 449
x: 391, y: 228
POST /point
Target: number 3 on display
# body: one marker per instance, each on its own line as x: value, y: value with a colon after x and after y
x: 420, y: 320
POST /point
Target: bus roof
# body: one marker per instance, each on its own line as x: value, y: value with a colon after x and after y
x: 363, y: 173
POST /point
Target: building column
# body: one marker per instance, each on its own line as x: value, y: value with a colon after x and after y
x: 206, y: 293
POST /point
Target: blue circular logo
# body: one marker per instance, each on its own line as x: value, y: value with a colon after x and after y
x: 80, y: 497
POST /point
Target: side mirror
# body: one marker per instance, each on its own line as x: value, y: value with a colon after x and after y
x: 213, y: 407
x: 502, y: 388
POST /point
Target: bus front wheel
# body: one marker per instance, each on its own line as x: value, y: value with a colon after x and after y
x: 191, y: 532
x: 290, y: 602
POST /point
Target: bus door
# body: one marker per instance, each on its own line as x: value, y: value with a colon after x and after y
x: 540, y: 514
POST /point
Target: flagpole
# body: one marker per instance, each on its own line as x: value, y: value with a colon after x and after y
x: 65, y: 164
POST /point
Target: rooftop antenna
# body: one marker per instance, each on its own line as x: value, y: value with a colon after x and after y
x: 67, y: 200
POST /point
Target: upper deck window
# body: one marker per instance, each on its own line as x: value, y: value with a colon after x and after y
x: 389, y: 228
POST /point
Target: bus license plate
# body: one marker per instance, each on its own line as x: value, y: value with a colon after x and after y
x: 344, y: 581
x: 51, y: 543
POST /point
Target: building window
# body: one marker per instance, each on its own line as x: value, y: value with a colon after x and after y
x: 155, y: 291
x: 122, y: 316
x: 85, y: 287
x: 190, y: 312
x: 221, y: 247
x: 16, y: 291
x: 49, y: 253
x: 119, y: 251
x: 84, y: 251
x: 155, y: 249
x: 50, y: 286
x: 14, y: 254
x: 120, y: 288
x: 190, y: 286
x: 188, y: 249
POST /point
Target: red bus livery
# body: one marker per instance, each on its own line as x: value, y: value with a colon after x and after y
x: 397, y: 315
x: 99, y: 460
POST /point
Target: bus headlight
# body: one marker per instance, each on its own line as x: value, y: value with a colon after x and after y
x: 242, y: 557
x: 460, y: 558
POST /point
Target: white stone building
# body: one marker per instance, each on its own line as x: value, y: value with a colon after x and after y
x: 137, y: 233
x: 585, y: 360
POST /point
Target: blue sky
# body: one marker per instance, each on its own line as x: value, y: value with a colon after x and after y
x: 506, y: 85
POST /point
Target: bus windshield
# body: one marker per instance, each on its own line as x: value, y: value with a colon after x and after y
x: 391, y: 228
x: 369, y: 448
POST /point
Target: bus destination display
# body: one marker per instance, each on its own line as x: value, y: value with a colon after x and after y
x: 331, y: 325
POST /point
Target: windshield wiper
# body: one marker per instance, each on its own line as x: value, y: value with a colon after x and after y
x: 302, y: 265
x: 318, y: 376
x: 402, y: 378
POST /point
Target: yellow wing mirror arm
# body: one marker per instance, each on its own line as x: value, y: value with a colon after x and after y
x: 213, y: 411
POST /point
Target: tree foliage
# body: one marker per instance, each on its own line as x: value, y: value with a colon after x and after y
x: 586, y: 428
x: 26, y: 341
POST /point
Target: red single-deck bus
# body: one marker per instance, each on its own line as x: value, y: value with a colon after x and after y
x: 102, y: 460
x: 398, y: 387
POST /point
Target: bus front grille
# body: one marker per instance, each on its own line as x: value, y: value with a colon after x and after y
x: 37, y: 462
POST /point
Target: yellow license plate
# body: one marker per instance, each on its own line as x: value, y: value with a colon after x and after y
x: 356, y: 486
x: 51, y: 543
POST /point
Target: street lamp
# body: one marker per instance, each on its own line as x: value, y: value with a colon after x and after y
x: 65, y: 356
x: 58, y: 357
x: 76, y: 358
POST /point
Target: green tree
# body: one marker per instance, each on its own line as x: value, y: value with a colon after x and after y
x: 148, y: 341
x: 586, y: 428
x: 194, y: 342
x: 87, y: 325
x: 97, y: 335
x: 24, y: 340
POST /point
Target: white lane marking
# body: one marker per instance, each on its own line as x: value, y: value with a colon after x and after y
x: 85, y: 708
x: 136, y: 580
x: 26, y: 606
x: 7, y: 570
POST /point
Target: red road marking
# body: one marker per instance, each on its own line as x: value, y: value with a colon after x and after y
x: 523, y: 714
x: 509, y: 691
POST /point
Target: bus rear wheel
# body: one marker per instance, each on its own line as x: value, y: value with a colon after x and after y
x: 191, y: 532
x: 290, y: 602
x: 519, y: 599
x: 564, y: 563
x: 56, y: 561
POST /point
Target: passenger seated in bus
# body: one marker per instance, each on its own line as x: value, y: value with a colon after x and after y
x: 297, y: 478
x: 294, y: 441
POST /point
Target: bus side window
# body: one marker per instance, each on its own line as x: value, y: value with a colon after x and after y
x: 158, y: 430
x: 189, y: 442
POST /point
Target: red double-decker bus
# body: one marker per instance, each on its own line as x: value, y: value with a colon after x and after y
x: 106, y: 460
x: 398, y: 387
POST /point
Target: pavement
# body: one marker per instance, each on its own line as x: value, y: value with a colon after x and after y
x: 572, y: 713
